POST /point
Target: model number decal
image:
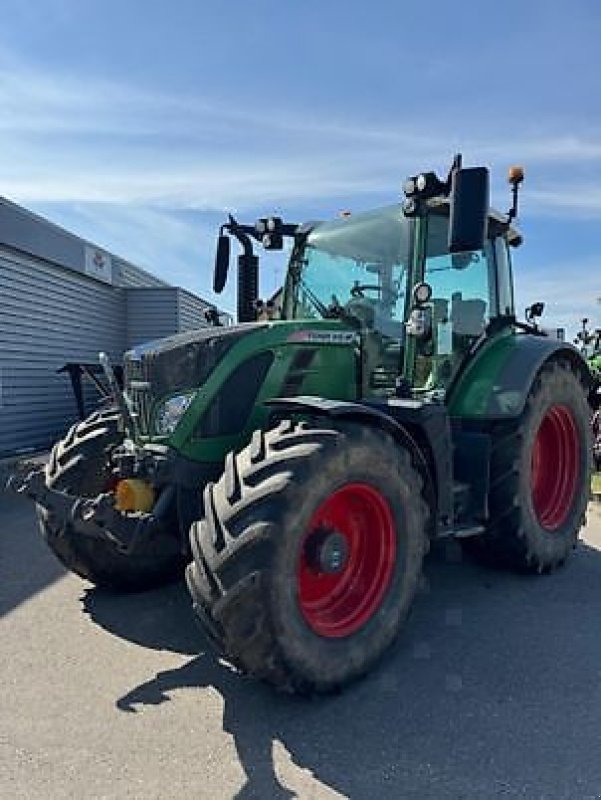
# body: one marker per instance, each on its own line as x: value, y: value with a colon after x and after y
x: 323, y: 337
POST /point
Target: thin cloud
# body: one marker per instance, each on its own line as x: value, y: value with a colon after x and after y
x: 204, y: 186
x: 582, y: 200
x: 63, y: 138
x: 64, y: 103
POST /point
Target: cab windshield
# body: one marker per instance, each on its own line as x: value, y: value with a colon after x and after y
x: 355, y: 265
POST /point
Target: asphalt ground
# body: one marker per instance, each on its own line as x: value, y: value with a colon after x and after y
x: 494, y: 690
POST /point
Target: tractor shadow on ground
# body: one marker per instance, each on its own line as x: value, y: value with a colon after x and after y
x: 159, y: 620
x: 493, y: 690
x: 27, y: 565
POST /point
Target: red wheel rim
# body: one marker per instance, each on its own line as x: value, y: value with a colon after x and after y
x: 337, y: 605
x: 555, y: 467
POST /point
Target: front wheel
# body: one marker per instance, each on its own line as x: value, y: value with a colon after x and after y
x: 540, y: 477
x: 309, y: 555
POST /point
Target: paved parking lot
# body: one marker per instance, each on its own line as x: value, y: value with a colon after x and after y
x: 494, y: 691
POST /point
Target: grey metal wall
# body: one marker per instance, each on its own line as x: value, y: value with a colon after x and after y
x: 151, y: 314
x: 191, y: 311
x: 58, y: 305
x: 22, y: 230
x: 126, y: 274
x: 48, y: 316
x: 156, y: 312
x: 52, y: 312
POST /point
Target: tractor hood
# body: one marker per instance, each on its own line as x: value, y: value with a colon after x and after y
x: 232, y: 371
x: 182, y: 361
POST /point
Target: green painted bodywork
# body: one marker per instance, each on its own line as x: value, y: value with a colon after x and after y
x: 332, y: 373
x: 497, y: 378
x: 488, y: 387
x: 470, y: 396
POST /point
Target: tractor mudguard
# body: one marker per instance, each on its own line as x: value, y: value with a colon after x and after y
x: 422, y: 428
x: 496, y: 382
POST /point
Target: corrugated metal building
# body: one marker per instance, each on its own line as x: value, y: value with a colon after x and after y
x: 63, y: 299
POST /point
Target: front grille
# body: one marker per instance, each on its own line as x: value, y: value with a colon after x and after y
x: 138, y: 387
x: 133, y: 370
x: 141, y: 406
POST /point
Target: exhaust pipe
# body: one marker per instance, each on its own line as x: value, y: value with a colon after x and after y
x: 248, y: 285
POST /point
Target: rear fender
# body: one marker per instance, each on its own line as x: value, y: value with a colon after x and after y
x: 495, y: 385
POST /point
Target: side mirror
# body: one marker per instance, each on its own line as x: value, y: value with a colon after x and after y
x: 222, y: 263
x: 535, y: 311
x: 469, y: 205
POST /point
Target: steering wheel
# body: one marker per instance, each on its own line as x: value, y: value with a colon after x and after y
x: 387, y: 294
x: 358, y: 289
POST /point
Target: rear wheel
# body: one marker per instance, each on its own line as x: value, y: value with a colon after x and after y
x: 309, y: 555
x: 540, y: 477
x: 79, y: 465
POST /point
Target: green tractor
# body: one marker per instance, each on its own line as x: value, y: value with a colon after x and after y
x: 589, y: 343
x: 302, y: 466
x: 594, y: 362
x: 593, y: 355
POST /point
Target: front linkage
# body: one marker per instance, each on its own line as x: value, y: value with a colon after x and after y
x: 99, y: 517
x: 93, y: 517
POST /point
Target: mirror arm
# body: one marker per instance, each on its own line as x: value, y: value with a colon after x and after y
x: 513, y: 211
x: 245, y: 243
x: 241, y: 232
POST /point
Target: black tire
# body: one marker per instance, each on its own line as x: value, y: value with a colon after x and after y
x: 246, y: 552
x: 78, y: 465
x: 531, y: 530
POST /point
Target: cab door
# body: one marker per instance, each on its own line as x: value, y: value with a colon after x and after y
x: 464, y: 299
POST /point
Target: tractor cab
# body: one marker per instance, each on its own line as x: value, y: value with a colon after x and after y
x: 362, y: 269
x: 422, y: 282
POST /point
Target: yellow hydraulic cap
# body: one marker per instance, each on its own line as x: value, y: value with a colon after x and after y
x: 133, y: 494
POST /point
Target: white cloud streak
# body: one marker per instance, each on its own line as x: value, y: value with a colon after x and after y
x: 64, y: 138
x: 579, y: 199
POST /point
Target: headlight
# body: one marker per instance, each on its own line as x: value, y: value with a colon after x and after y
x: 171, y: 411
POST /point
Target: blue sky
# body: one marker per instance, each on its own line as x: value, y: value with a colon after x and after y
x: 139, y: 125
